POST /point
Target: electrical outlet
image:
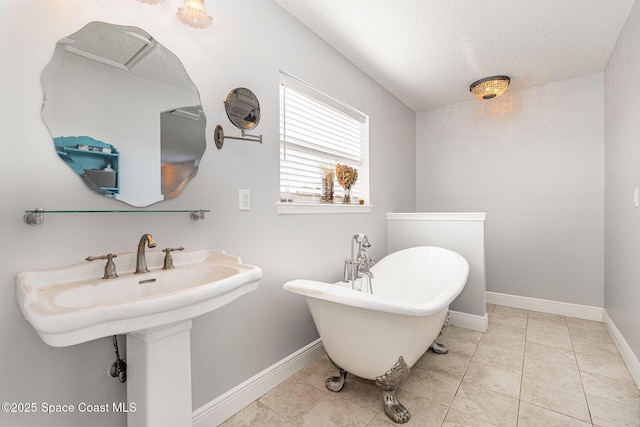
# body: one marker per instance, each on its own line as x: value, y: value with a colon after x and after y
x: 244, y: 200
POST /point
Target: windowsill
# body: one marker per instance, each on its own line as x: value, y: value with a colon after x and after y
x: 318, y: 208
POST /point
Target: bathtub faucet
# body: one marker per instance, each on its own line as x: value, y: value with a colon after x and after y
x: 359, y: 265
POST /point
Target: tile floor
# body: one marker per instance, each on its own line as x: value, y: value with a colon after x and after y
x: 528, y: 369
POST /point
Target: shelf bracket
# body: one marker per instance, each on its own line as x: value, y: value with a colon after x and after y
x: 35, y: 217
x: 219, y: 137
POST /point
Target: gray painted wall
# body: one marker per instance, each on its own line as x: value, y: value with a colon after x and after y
x: 533, y: 161
x: 247, y: 46
x: 622, y: 167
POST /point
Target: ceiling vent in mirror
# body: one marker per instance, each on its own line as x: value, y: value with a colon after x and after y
x: 109, y: 45
x: 490, y: 87
x: 195, y: 114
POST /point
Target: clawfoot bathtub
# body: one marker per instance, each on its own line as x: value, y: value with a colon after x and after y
x: 380, y: 336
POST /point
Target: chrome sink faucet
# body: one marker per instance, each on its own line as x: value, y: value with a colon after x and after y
x: 141, y: 261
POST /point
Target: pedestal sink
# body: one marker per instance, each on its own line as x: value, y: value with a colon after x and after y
x: 72, y: 305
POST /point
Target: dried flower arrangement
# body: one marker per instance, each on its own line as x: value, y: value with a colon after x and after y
x: 347, y: 176
x: 326, y: 196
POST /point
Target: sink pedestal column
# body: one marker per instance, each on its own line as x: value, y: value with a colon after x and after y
x: 159, y: 376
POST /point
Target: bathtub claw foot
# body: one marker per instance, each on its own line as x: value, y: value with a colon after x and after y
x: 336, y: 383
x: 394, y: 409
x: 439, y: 348
x: 388, y: 383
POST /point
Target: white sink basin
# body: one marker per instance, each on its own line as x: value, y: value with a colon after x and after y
x: 71, y: 305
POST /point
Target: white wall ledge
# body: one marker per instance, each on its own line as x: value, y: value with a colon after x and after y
x: 320, y: 208
x: 437, y: 216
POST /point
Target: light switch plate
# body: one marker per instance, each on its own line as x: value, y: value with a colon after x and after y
x: 244, y: 200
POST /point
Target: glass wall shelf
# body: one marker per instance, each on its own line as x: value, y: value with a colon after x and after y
x: 36, y: 216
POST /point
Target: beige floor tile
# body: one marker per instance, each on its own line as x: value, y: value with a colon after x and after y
x: 486, y: 405
x: 548, y: 317
x: 333, y: 411
x: 607, y: 413
x: 499, y: 356
x: 512, y: 325
x: 545, y: 353
x: 594, y: 348
x: 456, y: 418
x: 548, y: 327
x: 317, y: 372
x: 490, y: 308
x: 451, y: 365
x: 551, y: 339
x: 461, y: 334
x: 382, y: 422
x: 506, y: 323
x: 457, y: 346
x: 517, y: 330
x: 564, y: 399
x: 257, y: 415
x: 494, y: 379
x: 361, y: 392
x: 623, y: 391
x: 505, y: 339
x: 590, y: 334
x: 430, y: 384
x: 573, y: 322
x: 552, y: 373
x: 535, y: 416
x: 293, y: 398
x: 613, y: 366
x: 502, y: 311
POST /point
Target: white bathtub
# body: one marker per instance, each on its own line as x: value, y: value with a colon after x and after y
x: 366, y: 334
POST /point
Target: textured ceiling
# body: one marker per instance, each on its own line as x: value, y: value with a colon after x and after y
x: 428, y: 52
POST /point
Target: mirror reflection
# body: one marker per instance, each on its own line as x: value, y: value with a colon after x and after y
x: 123, y: 113
x: 243, y: 108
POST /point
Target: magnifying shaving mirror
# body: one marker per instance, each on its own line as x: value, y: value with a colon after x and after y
x: 243, y: 110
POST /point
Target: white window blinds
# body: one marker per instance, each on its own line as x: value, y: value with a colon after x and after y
x: 315, y: 131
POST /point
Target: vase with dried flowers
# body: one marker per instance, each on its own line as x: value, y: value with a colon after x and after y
x: 326, y: 195
x: 347, y: 176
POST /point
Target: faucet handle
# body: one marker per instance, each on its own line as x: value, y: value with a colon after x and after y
x: 168, y: 259
x: 109, y: 268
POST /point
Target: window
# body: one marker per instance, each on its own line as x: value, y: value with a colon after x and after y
x: 315, y: 131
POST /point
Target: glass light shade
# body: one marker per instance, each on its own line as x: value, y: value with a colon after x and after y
x: 194, y: 15
x: 490, y: 87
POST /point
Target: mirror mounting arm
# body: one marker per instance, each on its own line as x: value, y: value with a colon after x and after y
x: 219, y: 137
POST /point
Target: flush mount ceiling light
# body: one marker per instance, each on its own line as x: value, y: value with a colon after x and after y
x: 490, y: 87
x: 194, y: 15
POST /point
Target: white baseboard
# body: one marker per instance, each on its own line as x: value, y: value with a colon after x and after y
x: 223, y: 407
x: 630, y: 359
x: 469, y: 321
x: 547, y: 306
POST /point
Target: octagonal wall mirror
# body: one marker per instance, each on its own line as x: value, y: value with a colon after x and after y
x: 123, y: 113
